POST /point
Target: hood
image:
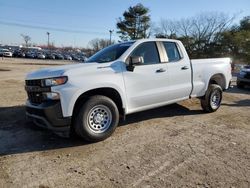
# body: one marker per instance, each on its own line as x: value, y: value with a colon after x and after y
x: 57, y: 71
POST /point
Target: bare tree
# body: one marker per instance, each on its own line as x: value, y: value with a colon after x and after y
x: 26, y: 39
x: 198, y: 33
x: 94, y: 44
x: 98, y: 44
x: 166, y: 29
x: 184, y: 25
x: 206, y: 26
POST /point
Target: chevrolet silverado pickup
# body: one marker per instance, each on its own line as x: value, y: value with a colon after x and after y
x: 90, y: 98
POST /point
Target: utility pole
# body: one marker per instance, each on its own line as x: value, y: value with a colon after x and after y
x: 110, y: 32
x: 48, y: 38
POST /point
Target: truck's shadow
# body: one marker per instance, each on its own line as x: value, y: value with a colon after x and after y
x: 165, y: 111
x: 18, y: 135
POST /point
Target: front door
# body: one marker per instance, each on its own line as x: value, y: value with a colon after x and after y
x: 147, y: 84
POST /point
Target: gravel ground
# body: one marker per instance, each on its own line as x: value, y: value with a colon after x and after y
x: 172, y: 146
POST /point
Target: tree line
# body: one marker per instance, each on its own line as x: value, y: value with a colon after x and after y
x: 209, y: 34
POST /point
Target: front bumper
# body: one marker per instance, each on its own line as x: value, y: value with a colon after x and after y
x: 48, y: 115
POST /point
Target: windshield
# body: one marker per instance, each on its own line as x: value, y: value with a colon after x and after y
x: 110, y: 53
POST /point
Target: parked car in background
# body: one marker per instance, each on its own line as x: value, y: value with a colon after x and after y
x: 50, y: 56
x: 75, y: 57
x: 30, y: 54
x: 5, y: 53
x: 59, y: 56
x: 83, y: 58
x: 18, y: 53
x: 243, y: 77
x: 40, y: 55
x: 67, y: 57
x: 79, y: 57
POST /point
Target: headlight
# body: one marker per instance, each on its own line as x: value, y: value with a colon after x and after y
x: 55, y: 81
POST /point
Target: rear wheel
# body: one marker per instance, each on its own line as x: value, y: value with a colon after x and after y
x: 97, y: 119
x: 212, y: 99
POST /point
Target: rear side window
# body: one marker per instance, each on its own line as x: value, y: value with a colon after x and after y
x: 172, y: 51
x: 148, y: 51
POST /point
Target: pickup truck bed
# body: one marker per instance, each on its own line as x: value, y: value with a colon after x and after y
x: 205, y: 69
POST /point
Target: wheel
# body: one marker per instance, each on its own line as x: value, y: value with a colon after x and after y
x: 240, y: 85
x: 97, y: 119
x: 212, y: 99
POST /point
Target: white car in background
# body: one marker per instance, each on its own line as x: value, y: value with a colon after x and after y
x: 5, y: 53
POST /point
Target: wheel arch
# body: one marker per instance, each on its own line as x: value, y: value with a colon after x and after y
x: 218, y: 79
x: 105, y: 91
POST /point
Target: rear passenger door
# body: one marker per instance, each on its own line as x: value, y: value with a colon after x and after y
x: 179, y: 71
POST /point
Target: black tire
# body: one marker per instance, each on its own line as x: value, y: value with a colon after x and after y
x: 240, y: 85
x: 97, y: 119
x: 212, y: 99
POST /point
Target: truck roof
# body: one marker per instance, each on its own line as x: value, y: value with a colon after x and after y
x: 154, y: 39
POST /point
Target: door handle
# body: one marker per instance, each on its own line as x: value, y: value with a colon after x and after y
x: 160, y: 70
x: 184, y: 68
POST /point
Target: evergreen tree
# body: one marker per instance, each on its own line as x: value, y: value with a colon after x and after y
x: 236, y: 41
x: 135, y: 24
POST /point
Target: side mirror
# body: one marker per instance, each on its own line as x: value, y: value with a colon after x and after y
x: 134, y: 60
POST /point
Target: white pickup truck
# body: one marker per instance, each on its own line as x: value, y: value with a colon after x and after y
x: 90, y: 98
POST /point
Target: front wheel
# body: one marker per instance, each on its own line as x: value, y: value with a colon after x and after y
x: 97, y: 119
x: 212, y: 99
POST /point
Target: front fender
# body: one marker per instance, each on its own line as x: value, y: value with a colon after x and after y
x: 69, y: 96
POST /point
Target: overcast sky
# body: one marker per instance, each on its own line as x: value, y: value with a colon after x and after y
x: 76, y: 22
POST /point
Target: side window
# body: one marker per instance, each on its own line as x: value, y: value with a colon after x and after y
x: 172, y: 51
x: 148, y: 51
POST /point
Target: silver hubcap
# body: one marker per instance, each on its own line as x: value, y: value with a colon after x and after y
x: 99, y: 118
x: 215, y: 99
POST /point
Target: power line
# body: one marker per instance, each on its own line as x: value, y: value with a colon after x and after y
x: 45, y: 10
x: 48, y: 11
x: 50, y: 28
x: 52, y: 24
